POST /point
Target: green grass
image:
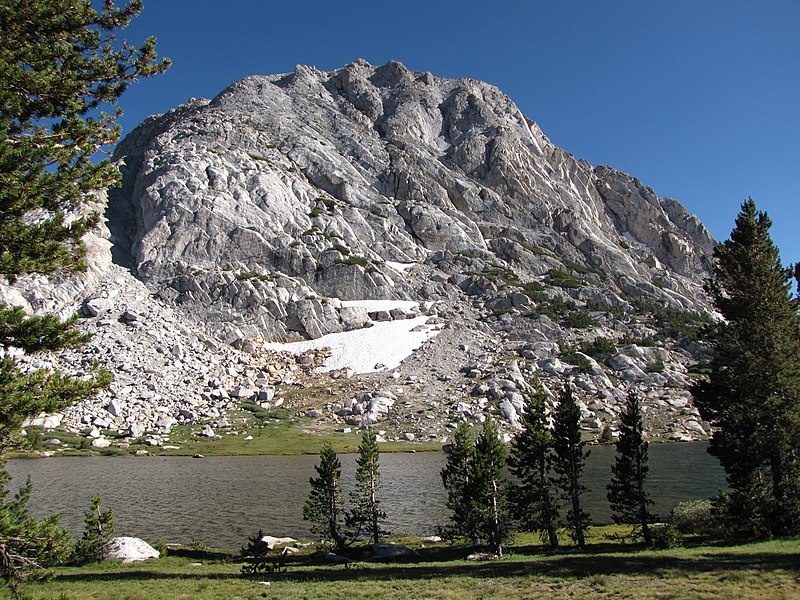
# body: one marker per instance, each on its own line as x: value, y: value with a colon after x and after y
x: 605, y: 569
x: 283, y: 436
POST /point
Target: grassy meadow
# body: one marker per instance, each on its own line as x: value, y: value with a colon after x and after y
x: 607, y: 568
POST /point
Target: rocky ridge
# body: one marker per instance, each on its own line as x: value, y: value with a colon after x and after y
x: 255, y: 216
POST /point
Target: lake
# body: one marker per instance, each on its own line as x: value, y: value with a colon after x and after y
x: 222, y: 500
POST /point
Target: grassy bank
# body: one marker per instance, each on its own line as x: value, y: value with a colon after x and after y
x: 289, y: 436
x: 605, y: 569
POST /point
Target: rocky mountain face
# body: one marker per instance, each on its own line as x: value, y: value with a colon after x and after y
x: 255, y: 217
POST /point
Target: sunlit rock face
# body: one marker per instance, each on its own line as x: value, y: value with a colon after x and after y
x: 451, y: 248
x: 252, y: 208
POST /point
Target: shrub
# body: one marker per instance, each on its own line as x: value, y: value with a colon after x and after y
x: 694, y: 516
x: 353, y: 260
x: 665, y: 536
x: 606, y: 436
x: 579, y: 319
x: 563, y: 279
x: 257, y: 557
x: 573, y: 357
x: 615, y: 311
x: 599, y: 349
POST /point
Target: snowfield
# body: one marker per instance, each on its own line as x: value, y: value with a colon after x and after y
x: 380, y: 347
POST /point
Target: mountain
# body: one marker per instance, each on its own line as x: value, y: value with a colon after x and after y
x: 275, y: 211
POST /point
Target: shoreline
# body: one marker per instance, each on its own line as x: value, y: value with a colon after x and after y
x: 291, y: 443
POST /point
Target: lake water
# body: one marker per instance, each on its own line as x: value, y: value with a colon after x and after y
x: 222, y: 500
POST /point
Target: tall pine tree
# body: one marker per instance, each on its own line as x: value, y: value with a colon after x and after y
x: 59, y: 67
x: 324, y: 508
x: 457, y: 478
x: 489, y: 488
x: 626, y: 494
x: 60, y: 64
x: 365, y: 514
x: 752, y: 395
x: 570, y: 458
x: 529, y: 461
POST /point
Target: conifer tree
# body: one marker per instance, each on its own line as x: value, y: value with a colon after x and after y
x: 97, y: 533
x: 27, y: 545
x: 365, y: 513
x: 570, y: 457
x: 58, y: 68
x: 626, y: 493
x: 489, y: 489
x: 457, y: 478
x: 530, y: 462
x: 59, y: 64
x: 324, y: 508
x: 752, y: 395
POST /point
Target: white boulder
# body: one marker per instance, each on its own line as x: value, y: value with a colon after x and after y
x: 130, y: 549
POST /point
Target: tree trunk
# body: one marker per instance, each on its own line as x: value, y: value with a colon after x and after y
x: 496, y: 534
x: 576, y: 514
x: 374, y: 512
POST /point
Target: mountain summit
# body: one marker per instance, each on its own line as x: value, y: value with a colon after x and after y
x: 288, y: 207
x: 314, y: 184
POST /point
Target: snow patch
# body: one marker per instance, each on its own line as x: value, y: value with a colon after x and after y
x: 399, y: 266
x: 380, y: 347
x: 377, y: 305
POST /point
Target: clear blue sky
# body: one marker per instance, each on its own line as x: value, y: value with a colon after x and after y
x: 700, y: 99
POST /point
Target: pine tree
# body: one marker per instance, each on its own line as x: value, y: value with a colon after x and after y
x: 324, y: 506
x: 365, y: 513
x: 97, y: 533
x: 27, y: 544
x: 458, y: 481
x: 752, y: 395
x: 59, y: 67
x: 489, y: 489
x: 626, y: 493
x: 530, y: 462
x: 569, y: 461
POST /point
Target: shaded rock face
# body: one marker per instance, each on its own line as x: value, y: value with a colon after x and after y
x: 246, y: 209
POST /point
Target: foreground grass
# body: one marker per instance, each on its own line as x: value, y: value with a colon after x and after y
x: 441, y: 571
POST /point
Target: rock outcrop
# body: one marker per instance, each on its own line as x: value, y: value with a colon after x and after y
x: 248, y: 210
x: 261, y: 215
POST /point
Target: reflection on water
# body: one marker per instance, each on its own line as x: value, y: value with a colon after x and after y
x: 222, y: 500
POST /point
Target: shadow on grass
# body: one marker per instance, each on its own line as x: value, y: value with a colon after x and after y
x: 431, y: 565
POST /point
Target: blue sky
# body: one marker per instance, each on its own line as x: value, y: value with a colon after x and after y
x: 700, y: 99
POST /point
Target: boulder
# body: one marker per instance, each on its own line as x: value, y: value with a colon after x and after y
x: 94, y: 307
x: 165, y: 422
x: 271, y: 541
x: 136, y: 430
x: 130, y: 549
x: 383, y: 551
x: 509, y: 412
